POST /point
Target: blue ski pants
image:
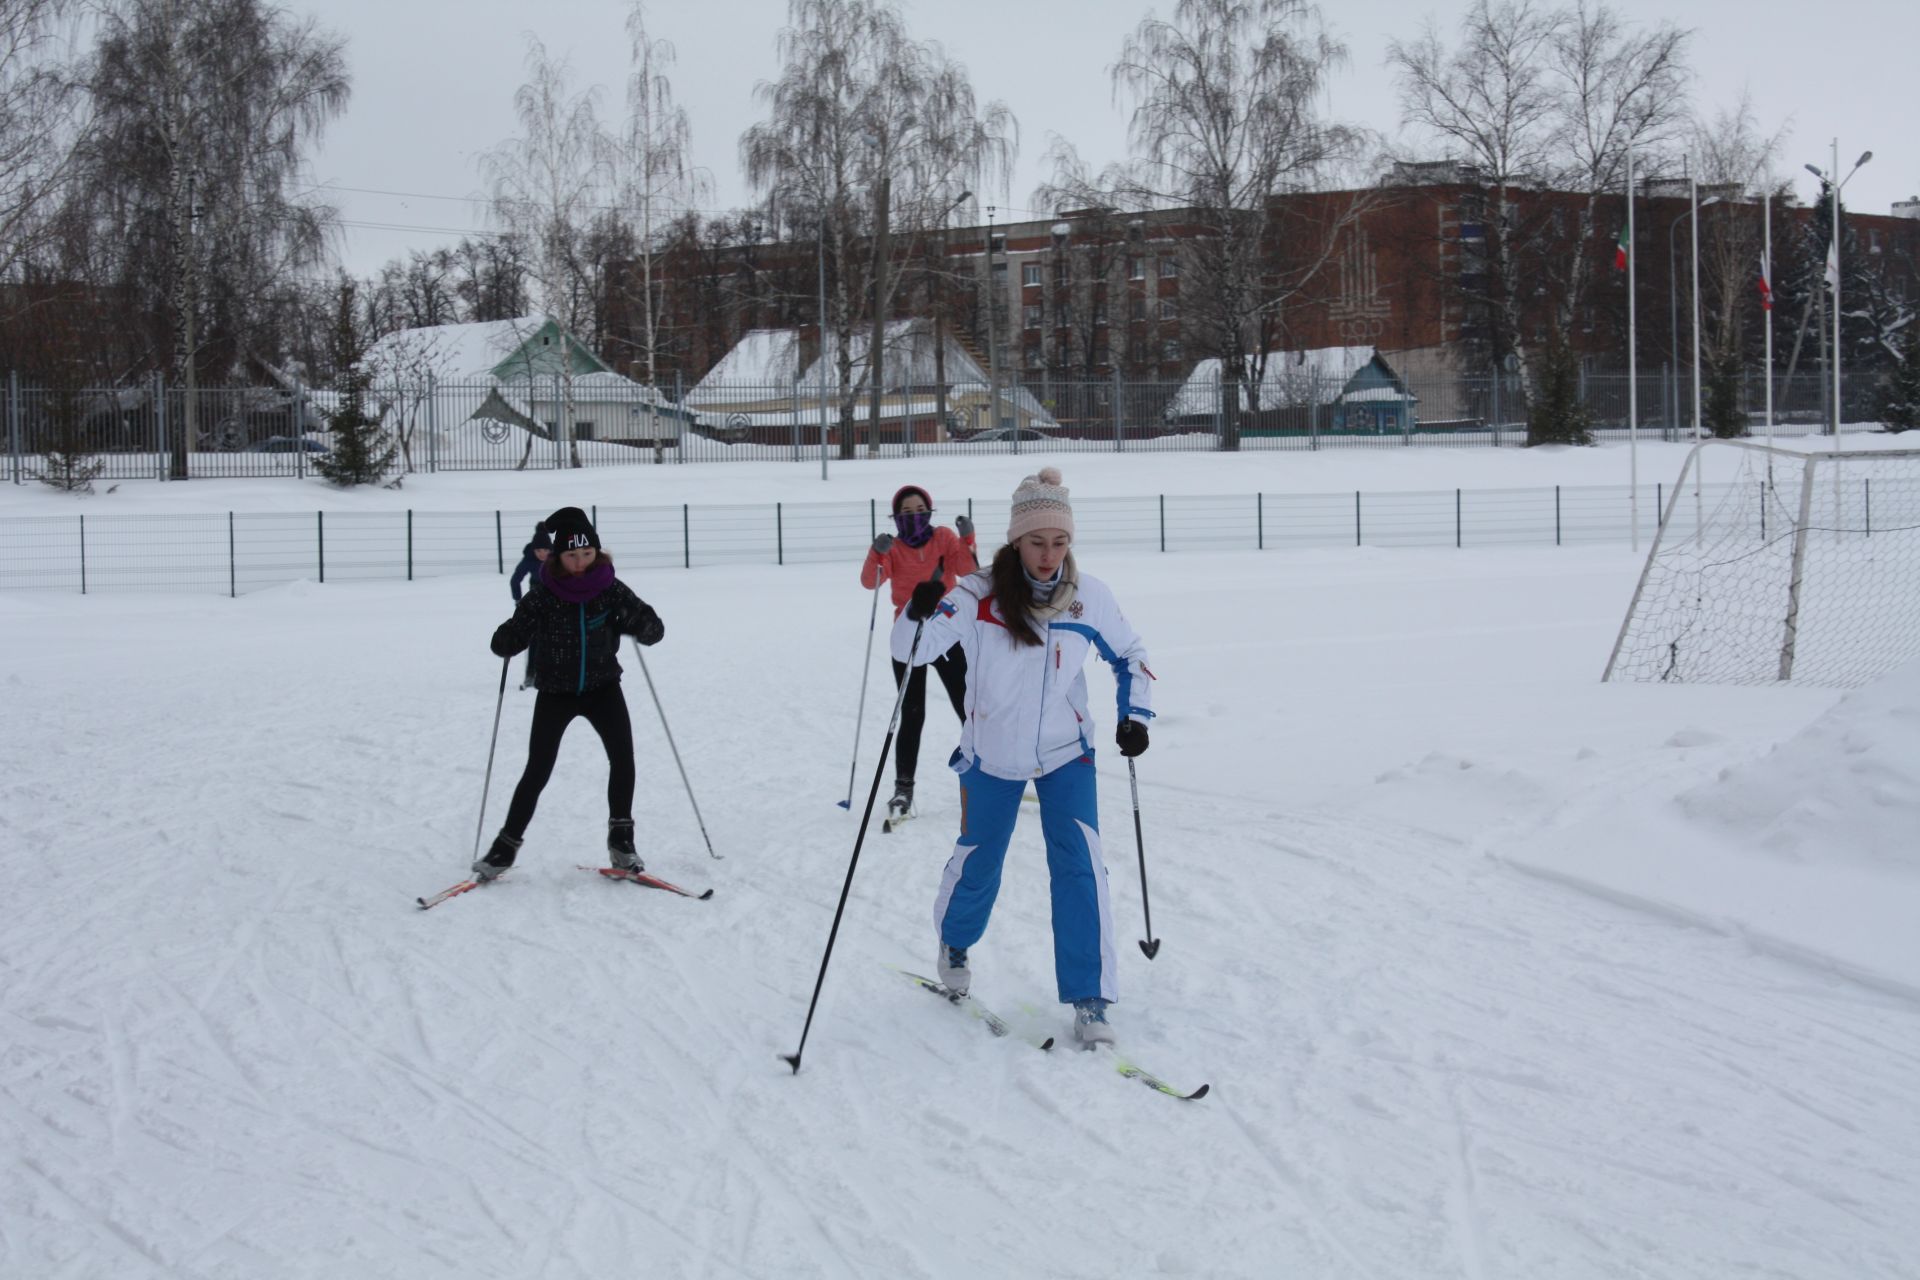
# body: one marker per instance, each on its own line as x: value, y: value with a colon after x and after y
x: 1084, y: 964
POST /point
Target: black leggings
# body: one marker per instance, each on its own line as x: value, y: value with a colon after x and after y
x: 952, y: 667
x: 605, y: 709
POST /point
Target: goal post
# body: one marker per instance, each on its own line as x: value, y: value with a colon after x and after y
x: 1797, y: 566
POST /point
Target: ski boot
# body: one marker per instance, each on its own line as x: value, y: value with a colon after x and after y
x: 900, y: 808
x: 620, y: 850
x: 1090, y: 1025
x: 951, y: 966
x: 498, y: 858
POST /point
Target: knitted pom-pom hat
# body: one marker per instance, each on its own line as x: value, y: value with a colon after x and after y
x: 1040, y: 503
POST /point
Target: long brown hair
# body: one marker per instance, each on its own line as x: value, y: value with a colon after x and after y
x: 1014, y: 595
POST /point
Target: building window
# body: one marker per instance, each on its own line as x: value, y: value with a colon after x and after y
x: 1059, y: 273
x: 1137, y: 309
x: 1099, y: 311
x: 1169, y: 309
x: 1170, y: 351
x: 1030, y: 273
x: 582, y: 430
x: 997, y: 243
x: 1136, y: 268
x: 1100, y: 346
x: 1030, y: 317
x: 1169, y: 268
x: 999, y: 275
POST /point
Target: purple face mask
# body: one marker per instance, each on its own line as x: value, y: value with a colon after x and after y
x: 914, y: 527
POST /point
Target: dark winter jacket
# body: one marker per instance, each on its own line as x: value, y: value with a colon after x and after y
x: 575, y: 646
x: 529, y: 564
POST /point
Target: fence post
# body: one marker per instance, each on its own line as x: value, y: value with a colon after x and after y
x: 1260, y: 521
x: 1556, y: 515
x: 233, y: 574
x: 433, y: 423
x: 1763, y: 508
x: 499, y: 543
x: 1163, y: 522
x: 300, y: 431
x: 1868, y: 496
x: 409, y: 544
x: 680, y: 400
x: 779, y: 536
x: 320, y: 530
x: 83, y: 555
x: 1119, y: 421
x: 686, y: 538
x: 873, y: 519
x: 13, y: 421
x: 1456, y: 519
x: 1356, y: 517
x: 160, y: 425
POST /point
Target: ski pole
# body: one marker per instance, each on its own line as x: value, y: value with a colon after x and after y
x: 481, y: 823
x: 676, y: 750
x: 1149, y: 944
x: 893, y: 721
x: 853, y: 765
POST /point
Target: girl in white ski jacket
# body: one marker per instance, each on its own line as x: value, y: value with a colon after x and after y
x: 1028, y: 625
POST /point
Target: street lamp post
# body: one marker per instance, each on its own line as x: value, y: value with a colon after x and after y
x: 940, y: 332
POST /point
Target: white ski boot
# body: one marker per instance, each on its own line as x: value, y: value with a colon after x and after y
x: 952, y: 969
x: 1090, y: 1025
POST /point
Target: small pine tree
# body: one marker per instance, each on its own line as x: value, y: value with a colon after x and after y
x: 1555, y: 415
x: 1722, y: 414
x: 362, y: 449
x: 69, y: 466
x: 1900, y: 394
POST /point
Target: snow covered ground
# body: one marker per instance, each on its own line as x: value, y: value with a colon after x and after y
x: 1495, y: 970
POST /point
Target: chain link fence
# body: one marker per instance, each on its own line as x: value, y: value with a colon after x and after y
x: 156, y: 431
x: 237, y: 552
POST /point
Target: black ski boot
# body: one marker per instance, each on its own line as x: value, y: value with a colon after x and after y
x: 900, y: 808
x: 499, y: 857
x: 620, y: 850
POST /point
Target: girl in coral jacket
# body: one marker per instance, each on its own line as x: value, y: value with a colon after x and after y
x: 919, y: 551
x: 1027, y: 626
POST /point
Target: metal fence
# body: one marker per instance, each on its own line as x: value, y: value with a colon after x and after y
x: 232, y: 553
x: 153, y: 431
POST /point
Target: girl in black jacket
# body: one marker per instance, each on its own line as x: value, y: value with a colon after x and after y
x: 573, y: 618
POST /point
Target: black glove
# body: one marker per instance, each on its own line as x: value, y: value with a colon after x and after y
x: 926, y: 597
x: 883, y: 544
x: 1131, y: 737
x: 651, y: 628
x: 963, y: 526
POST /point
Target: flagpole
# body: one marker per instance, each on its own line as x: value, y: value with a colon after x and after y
x: 1633, y: 364
x: 1766, y: 279
x: 1834, y: 187
x: 1693, y: 199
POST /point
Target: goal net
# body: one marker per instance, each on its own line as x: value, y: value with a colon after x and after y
x: 1788, y: 566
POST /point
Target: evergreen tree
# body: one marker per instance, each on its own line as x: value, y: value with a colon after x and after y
x: 1555, y: 415
x: 362, y: 449
x: 1723, y: 413
x: 1900, y: 394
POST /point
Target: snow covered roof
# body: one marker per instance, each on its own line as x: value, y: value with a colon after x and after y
x: 452, y: 352
x: 1308, y: 376
x: 764, y: 359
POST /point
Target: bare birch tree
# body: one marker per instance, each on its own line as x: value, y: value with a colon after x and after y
x: 39, y: 120
x: 656, y: 179
x: 547, y: 184
x: 869, y: 139
x: 203, y: 114
x: 1226, y: 118
x: 1539, y: 99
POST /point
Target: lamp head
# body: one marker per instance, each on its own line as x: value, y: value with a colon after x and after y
x: 1815, y: 170
x: 1864, y: 157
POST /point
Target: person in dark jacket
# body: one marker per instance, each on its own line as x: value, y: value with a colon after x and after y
x: 571, y: 622
x: 532, y: 556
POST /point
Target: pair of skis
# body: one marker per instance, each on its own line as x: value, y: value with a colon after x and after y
x: 1000, y: 1028
x: 612, y: 873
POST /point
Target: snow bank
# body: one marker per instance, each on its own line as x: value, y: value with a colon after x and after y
x: 1811, y: 849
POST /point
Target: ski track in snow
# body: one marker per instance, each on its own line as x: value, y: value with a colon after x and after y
x: 235, y: 1048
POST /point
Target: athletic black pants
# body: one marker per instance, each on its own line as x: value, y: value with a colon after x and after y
x: 605, y: 709
x: 952, y: 667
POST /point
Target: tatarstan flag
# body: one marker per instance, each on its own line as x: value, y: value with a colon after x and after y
x: 1620, y: 251
x: 1766, y: 289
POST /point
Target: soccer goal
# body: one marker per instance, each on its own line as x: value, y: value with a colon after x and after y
x: 1790, y: 566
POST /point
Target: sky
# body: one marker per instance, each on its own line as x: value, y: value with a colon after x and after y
x: 434, y: 83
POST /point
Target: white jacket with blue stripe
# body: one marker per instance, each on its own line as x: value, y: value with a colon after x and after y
x: 1027, y: 705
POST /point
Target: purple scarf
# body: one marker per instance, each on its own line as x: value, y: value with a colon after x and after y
x: 916, y: 527
x: 577, y: 588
